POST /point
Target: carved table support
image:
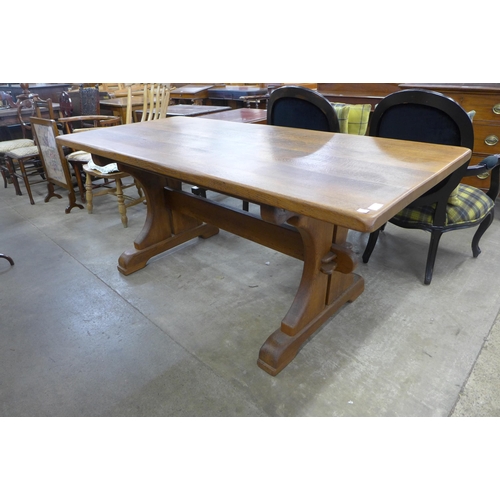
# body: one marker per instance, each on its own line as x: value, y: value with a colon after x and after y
x: 163, y: 229
x: 327, y: 284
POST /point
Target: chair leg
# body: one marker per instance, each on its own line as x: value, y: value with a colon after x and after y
x: 479, y: 233
x: 3, y: 256
x: 77, y: 168
x: 26, y: 180
x: 13, y: 176
x: 431, y: 256
x: 121, y: 202
x: 372, y: 241
x: 88, y: 186
x: 3, y: 169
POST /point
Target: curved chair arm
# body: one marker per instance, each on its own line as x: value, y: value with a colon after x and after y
x: 489, y: 164
x: 99, y: 121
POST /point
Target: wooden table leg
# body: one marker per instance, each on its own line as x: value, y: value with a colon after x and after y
x: 164, y: 227
x: 327, y: 284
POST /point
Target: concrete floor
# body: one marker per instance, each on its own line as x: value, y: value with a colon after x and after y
x: 181, y: 337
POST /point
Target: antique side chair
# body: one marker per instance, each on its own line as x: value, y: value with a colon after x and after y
x: 428, y: 116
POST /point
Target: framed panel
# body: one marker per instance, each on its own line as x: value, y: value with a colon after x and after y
x: 55, y: 165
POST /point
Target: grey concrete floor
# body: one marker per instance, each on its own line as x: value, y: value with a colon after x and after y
x: 181, y: 337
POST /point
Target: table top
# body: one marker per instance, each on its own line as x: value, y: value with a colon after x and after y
x: 194, y: 109
x: 190, y: 91
x: 235, y: 91
x: 243, y: 115
x: 121, y: 102
x: 358, y: 182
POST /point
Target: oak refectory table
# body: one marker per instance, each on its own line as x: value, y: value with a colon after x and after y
x: 312, y: 187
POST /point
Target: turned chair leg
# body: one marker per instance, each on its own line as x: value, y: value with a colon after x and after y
x: 121, y: 202
x: 89, y: 195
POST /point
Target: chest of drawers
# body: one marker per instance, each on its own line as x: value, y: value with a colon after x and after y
x: 484, y: 98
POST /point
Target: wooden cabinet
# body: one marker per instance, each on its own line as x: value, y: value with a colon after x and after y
x: 357, y: 93
x: 484, y: 98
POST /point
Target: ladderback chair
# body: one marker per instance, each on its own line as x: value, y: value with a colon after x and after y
x: 156, y: 101
x: 428, y: 116
x: 300, y: 107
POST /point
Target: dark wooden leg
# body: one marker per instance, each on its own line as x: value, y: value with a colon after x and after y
x: 26, y: 180
x: 431, y: 256
x: 77, y: 168
x: 372, y: 241
x: 327, y: 284
x: 479, y: 233
x: 72, y: 202
x: 51, y: 193
x: 12, y: 174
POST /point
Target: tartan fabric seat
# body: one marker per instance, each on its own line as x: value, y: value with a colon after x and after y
x: 468, y: 206
x: 427, y: 116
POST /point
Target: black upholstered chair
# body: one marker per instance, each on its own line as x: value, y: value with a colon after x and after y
x: 299, y: 107
x: 427, y: 116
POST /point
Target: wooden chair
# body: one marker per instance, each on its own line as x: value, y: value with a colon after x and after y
x: 427, y: 116
x: 121, y: 89
x: 10, y: 145
x: 110, y: 174
x: 89, y: 100
x: 113, y: 180
x: 111, y: 88
x: 65, y: 105
x: 53, y: 160
x: 24, y: 162
x: 156, y: 101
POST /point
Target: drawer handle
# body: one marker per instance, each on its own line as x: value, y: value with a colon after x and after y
x: 491, y: 140
x: 496, y: 109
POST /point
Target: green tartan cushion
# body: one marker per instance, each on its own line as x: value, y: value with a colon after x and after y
x: 359, y: 115
x: 353, y: 118
x: 469, y: 204
x: 342, y: 112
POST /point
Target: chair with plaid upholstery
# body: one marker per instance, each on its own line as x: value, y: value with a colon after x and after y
x: 428, y: 116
